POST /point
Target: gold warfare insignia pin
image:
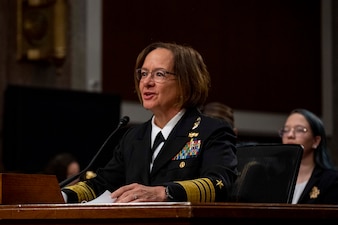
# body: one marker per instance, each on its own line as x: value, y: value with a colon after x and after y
x: 193, y: 134
x: 314, y: 192
x: 197, y: 123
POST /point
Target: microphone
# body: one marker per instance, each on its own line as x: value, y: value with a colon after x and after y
x: 123, y: 122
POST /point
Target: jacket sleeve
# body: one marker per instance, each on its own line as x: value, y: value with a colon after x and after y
x: 217, y: 169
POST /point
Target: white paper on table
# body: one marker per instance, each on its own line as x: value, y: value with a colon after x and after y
x: 103, y: 198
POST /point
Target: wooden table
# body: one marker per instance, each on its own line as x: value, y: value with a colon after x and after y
x: 169, y: 213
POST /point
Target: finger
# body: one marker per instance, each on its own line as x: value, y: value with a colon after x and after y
x: 117, y: 193
x: 125, y: 198
x: 124, y: 189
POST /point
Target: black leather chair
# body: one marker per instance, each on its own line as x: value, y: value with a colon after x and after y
x: 267, y: 173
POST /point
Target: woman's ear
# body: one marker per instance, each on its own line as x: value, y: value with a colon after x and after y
x: 235, y: 131
x: 316, y: 141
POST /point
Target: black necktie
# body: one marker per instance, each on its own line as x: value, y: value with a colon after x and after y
x: 158, y: 140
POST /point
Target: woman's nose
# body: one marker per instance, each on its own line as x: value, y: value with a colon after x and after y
x: 290, y: 133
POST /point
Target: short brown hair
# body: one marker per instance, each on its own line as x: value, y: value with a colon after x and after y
x: 190, y: 69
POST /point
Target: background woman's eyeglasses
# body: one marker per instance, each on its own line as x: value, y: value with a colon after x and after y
x: 298, y: 130
x: 158, y: 75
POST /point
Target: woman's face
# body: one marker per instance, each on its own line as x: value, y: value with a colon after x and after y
x: 159, y: 97
x: 73, y: 169
x: 298, y: 131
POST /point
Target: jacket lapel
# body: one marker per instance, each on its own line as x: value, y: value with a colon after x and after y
x: 310, y: 185
x: 142, y: 153
x: 176, y: 141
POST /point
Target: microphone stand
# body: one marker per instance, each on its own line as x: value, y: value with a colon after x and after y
x: 123, y: 121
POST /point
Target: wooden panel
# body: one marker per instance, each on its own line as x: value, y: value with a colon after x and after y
x: 29, y: 188
x: 169, y: 213
x: 262, y: 55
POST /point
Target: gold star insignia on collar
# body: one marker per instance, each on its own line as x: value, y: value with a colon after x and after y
x: 314, y: 192
x: 219, y: 184
x: 197, y: 123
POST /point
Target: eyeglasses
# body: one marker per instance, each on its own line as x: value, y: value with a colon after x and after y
x: 298, y: 130
x: 158, y: 75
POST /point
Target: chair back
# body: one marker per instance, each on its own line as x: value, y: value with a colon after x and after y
x: 267, y: 173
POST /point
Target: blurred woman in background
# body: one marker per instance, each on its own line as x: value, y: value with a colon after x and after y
x: 317, y: 181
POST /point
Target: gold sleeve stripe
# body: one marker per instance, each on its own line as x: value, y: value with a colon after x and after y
x: 199, y: 190
x: 204, y: 189
x: 83, y: 191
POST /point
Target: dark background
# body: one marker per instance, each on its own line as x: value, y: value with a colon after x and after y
x: 40, y: 123
x: 263, y: 55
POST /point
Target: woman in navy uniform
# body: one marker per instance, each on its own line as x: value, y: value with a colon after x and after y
x: 196, y: 158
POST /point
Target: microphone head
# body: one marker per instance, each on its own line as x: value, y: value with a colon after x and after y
x: 124, y: 120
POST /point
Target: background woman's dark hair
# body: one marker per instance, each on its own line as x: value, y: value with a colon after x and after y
x: 321, y: 154
x: 220, y: 111
x: 59, y: 165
